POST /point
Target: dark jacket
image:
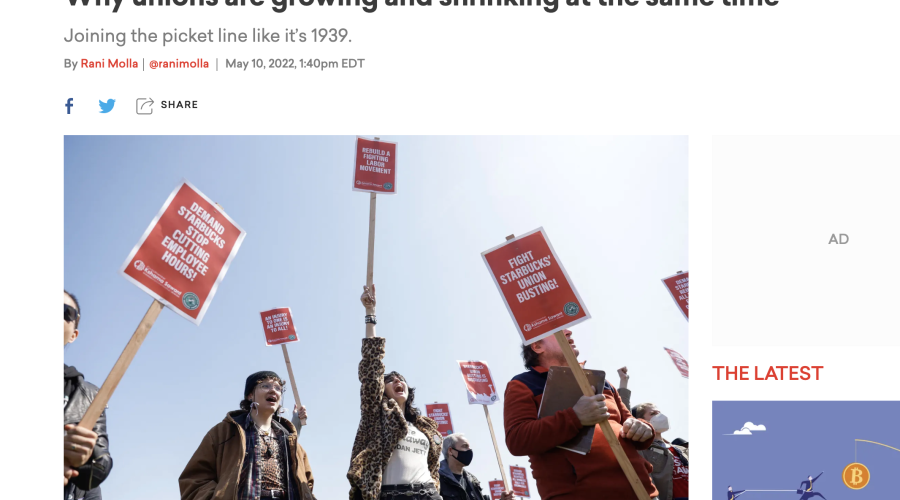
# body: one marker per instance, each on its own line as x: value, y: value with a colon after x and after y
x: 77, y: 397
x: 214, y: 470
x: 561, y: 474
x: 452, y: 490
x: 381, y: 426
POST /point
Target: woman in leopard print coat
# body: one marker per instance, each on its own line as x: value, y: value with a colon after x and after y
x: 384, y: 427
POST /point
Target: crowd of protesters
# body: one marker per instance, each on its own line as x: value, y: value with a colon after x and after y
x: 254, y: 453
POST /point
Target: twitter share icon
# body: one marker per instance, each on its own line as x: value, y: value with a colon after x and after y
x: 106, y: 107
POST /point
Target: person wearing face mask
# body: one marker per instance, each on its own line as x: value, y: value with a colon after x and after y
x: 397, y: 450
x: 456, y: 482
x: 670, y: 461
x: 86, y: 458
x: 252, y: 454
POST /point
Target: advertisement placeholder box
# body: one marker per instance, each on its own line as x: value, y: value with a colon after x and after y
x: 278, y: 325
x: 678, y: 287
x: 184, y: 253
x: 535, y: 287
x: 440, y: 413
x: 480, y: 387
x: 375, y: 170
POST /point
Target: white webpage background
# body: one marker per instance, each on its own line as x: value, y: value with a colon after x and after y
x: 805, y: 67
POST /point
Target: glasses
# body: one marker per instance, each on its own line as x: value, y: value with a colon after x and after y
x: 70, y: 314
x: 268, y: 387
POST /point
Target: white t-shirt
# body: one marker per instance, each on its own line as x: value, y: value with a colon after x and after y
x: 409, y: 461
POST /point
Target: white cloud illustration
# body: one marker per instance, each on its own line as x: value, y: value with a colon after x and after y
x: 747, y: 428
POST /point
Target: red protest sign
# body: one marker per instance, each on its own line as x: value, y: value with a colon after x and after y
x: 440, y: 413
x: 184, y: 253
x: 519, y: 481
x: 479, y: 384
x: 535, y: 287
x: 375, y: 170
x: 278, y: 326
x: 497, y: 489
x: 679, y: 361
x: 677, y: 285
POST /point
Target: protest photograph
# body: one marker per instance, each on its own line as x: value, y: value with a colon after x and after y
x: 320, y: 317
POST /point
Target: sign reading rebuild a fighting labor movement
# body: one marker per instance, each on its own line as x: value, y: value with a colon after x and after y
x: 278, y: 326
x: 479, y: 384
x: 497, y: 489
x: 678, y: 287
x: 440, y: 413
x: 184, y: 254
x: 375, y: 170
x: 535, y: 287
x: 519, y: 481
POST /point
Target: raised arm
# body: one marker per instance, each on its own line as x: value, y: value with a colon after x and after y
x: 371, y: 376
x: 368, y: 300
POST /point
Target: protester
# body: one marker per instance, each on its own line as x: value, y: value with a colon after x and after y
x: 397, y: 450
x: 252, y: 454
x: 669, y: 461
x: 681, y: 442
x: 456, y: 482
x: 561, y: 474
x: 86, y: 458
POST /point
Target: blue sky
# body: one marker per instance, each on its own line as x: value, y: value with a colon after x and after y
x: 614, y: 208
x: 803, y: 438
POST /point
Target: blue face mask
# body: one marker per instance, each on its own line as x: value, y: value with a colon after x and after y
x: 464, y: 457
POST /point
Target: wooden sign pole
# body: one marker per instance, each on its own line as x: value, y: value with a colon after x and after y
x: 487, y: 415
x: 608, y: 432
x: 370, y: 258
x: 287, y: 361
x: 115, y: 375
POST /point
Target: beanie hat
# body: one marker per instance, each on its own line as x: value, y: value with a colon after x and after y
x: 252, y: 380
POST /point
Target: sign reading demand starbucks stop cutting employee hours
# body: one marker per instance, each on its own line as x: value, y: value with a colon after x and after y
x: 535, y: 287
x: 184, y: 253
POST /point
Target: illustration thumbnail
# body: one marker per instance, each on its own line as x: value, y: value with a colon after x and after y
x: 801, y: 450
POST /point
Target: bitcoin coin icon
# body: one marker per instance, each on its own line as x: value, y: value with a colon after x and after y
x: 855, y: 476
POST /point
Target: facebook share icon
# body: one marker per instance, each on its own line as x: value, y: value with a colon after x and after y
x: 69, y: 106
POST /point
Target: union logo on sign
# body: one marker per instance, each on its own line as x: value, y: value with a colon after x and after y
x: 292, y: 337
x: 571, y: 309
x: 388, y: 186
x: 139, y: 265
x: 190, y: 300
x: 527, y: 327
